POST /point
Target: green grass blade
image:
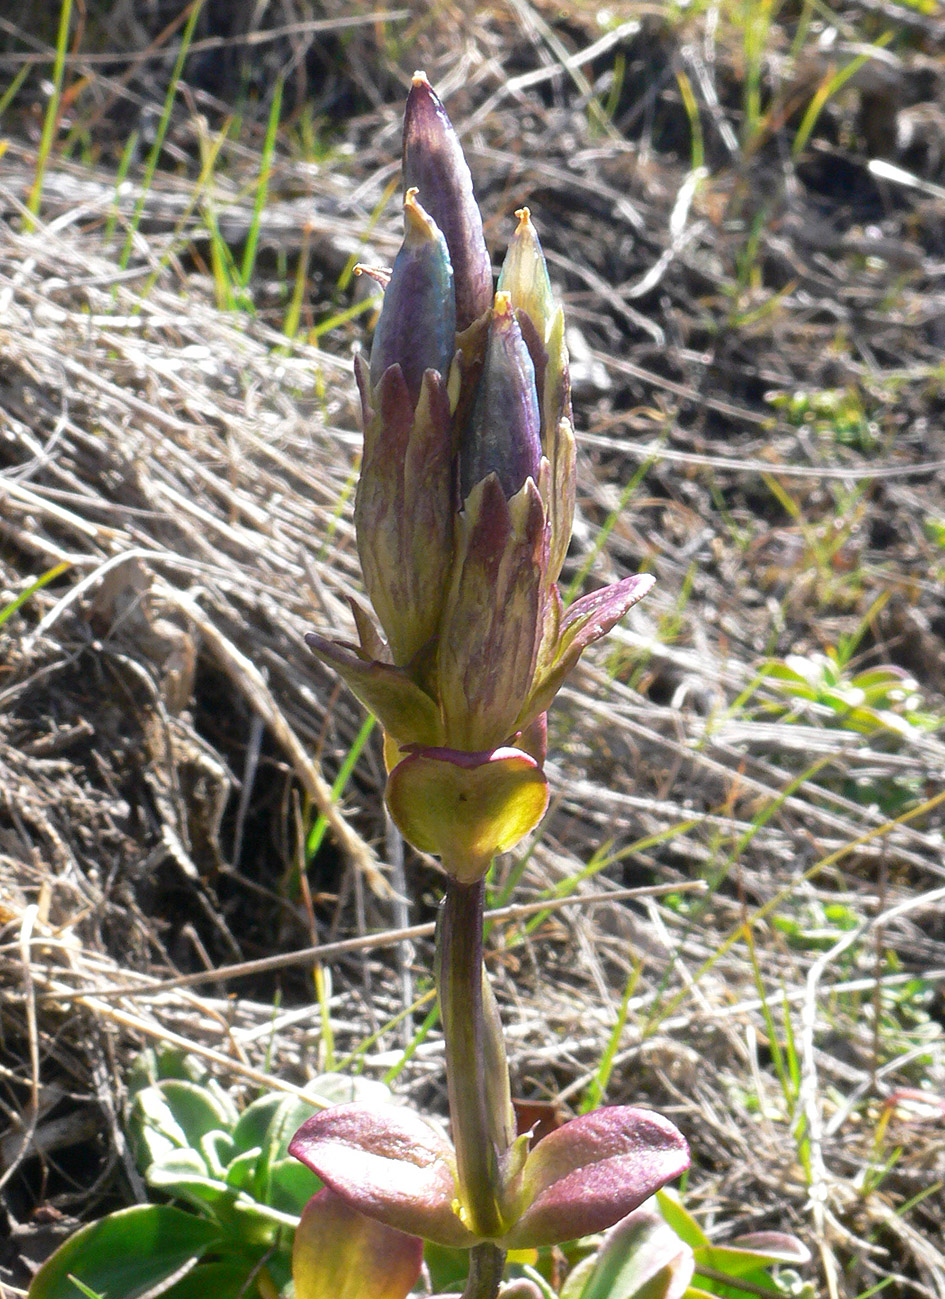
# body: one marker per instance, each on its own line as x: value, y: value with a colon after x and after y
x: 49, y: 576
x: 163, y: 123
x: 600, y: 541
x: 598, y: 1084
x: 124, y: 162
x: 317, y: 833
x: 262, y: 186
x: 8, y: 96
x: 826, y: 92
x: 51, y: 119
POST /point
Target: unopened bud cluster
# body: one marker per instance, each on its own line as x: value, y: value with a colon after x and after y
x: 463, y: 517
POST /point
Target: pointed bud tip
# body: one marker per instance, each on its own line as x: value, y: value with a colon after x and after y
x: 524, y: 220
x: 418, y: 224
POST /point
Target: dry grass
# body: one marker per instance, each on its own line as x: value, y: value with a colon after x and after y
x: 166, y: 740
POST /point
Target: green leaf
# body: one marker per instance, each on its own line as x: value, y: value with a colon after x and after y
x: 252, y: 1127
x: 217, y: 1150
x: 133, y: 1254
x: 744, y: 1255
x: 642, y: 1257
x: 184, y: 1174
x: 175, y: 1114
x: 239, y: 1214
x: 222, y: 1280
x: 291, y: 1185
x: 241, y: 1170
x: 681, y: 1221
x: 198, y: 1110
x: 288, y: 1117
x: 578, y: 1278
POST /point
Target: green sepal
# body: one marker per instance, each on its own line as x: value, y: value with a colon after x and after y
x: 406, y: 712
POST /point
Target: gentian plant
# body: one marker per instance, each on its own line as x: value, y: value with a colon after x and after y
x: 463, y: 515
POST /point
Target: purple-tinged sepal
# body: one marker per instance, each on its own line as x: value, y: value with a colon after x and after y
x: 586, y: 621
x: 524, y: 277
x: 404, y: 509
x: 416, y: 328
x: 406, y: 712
x: 493, y: 614
x: 465, y: 807
x: 558, y: 443
x: 434, y: 164
x: 340, y: 1253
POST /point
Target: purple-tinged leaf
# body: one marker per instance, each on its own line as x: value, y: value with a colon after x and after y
x: 389, y: 1164
x: 592, y: 1172
x: 586, y: 621
x: 341, y: 1254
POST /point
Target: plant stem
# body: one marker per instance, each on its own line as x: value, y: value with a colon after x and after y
x: 485, y: 1272
x: 459, y: 984
x: 477, y: 1079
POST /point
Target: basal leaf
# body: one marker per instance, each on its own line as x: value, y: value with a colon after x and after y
x: 133, y: 1254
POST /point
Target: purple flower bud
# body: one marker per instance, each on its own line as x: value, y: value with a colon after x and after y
x: 434, y: 164
x: 504, y: 434
x: 417, y: 325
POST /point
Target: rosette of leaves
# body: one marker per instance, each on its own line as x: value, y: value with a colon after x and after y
x: 228, y: 1196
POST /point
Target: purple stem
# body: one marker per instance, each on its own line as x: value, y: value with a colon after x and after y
x: 477, y: 1133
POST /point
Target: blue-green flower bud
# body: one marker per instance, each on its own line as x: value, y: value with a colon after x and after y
x: 417, y: 325
x: 504, y: 433
x: 524, y: 275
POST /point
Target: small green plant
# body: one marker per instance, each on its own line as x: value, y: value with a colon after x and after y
x: 835, y: 414
x: 881, y: 698
x: 661, y: 1252
x: 235, y: 1194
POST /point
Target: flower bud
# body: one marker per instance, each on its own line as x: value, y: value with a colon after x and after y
x: 434, y: 164
x: 417, y: 325
x: 524, y: 275
x: 504, y: 434
x: 493, y: 615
